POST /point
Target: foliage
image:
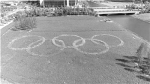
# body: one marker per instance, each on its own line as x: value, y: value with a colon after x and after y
x: 24, y: 23
x: 59, y: 11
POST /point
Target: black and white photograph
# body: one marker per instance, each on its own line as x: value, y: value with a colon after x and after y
x: 75, y: 42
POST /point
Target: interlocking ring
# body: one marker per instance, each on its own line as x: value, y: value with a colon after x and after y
x: 54, y: 42
x: 76, y: 41
x: 94, y: 41
x: 24, y: 48
x: 45, y: 51
x: 31, y: 45
x: 121, y: 41
x: 64, y: 45
x: 43, y: 43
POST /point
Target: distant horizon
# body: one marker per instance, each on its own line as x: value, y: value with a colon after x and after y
x: 81, y: 0
x: 126, y: 0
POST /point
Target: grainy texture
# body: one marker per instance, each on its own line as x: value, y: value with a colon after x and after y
x: 70, y: 66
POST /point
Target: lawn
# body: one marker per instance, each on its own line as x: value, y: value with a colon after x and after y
x: 70, y: 50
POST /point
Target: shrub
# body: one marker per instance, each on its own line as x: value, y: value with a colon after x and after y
x: 25, y: 23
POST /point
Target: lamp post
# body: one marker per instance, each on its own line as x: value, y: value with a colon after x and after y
x: 68, y: 3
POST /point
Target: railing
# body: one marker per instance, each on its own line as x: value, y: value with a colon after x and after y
x: 118, y: 11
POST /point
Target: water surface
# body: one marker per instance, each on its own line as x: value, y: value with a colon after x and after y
x: 141, y: 28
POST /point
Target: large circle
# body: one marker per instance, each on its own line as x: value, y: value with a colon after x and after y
x: 64, y: 45
x: 121, y: 41
x: 34, y: 46
x: 19, y: 38
x: 93, y: 41
x: 44, y: 48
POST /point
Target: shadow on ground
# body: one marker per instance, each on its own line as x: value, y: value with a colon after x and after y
x: 143, y: 78
x: 129, y: 64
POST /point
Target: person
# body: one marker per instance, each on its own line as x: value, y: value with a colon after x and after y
x: 148, y: 54
x: 143, y: 51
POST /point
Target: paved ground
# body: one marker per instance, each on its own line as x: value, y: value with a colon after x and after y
x: 70, y: 50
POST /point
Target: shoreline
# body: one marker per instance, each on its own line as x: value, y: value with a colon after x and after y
x: 144, y: 17
x: 141, y: 39
x: 112, y: 4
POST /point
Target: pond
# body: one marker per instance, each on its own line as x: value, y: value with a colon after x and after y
x: 137, y: 26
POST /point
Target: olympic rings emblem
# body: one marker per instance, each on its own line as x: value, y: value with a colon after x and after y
x: 41, y: 40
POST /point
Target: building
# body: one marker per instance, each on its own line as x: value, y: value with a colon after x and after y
x: 52, y: 3
x: 59, y: 3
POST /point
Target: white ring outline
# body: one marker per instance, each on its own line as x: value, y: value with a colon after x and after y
x: 64, y: 46
x: 29, y: 48
x: 95, y: 53
x: 121, y: 41
x: 10, y: 43
x: 76, y: 46
x: 53, y: 41
x: 43, y: 40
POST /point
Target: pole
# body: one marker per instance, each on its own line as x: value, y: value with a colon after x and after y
x: 68, y: 3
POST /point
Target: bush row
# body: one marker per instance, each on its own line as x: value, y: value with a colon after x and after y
x: 59, y: 11
x: 25, y: 20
